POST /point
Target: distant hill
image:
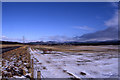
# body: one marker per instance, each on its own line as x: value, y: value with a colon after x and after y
x: 9, y: 42
x: 110, y: 42
x: 45, y: 43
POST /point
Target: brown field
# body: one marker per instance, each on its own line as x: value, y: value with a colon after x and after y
x: 71, y: 48
x: 16, y: 62
x: 10, y: 45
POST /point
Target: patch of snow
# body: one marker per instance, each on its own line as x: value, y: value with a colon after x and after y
x: 55, y: 64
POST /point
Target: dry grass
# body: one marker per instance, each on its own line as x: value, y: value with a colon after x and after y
x: 67, y: 48
x: 10, y: 45
x: 20, y: 59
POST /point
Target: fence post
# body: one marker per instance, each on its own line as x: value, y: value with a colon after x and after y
x: 32, y: 69
x: 38, y: 75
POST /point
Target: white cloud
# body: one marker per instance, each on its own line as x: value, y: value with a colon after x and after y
x: 83, y: 27
x: 60, y: 38
x: 113, y: 21
x: 5, y: 38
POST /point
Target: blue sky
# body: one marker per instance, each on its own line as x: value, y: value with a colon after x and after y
x: 47, y: 21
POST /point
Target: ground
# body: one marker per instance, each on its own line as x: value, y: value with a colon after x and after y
x: 75, y: 61
x: 62, y: 61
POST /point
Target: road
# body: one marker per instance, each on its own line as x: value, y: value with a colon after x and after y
x: 8, y: 49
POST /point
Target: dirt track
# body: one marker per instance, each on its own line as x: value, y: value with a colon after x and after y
x: 9, y: 48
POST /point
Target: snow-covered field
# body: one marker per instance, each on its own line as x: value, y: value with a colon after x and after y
x: 75, y: 64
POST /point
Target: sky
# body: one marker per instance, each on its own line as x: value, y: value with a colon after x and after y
x: 60, y: 21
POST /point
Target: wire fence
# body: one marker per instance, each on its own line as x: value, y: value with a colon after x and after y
x: 37, y: 68
x: 43, y: 78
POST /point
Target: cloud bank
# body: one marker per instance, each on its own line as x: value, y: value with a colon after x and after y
x: 111, y: 33
x: 60, y: 38
x: 113, y: 22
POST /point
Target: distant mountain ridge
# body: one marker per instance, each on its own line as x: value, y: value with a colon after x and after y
x: 109, y: 42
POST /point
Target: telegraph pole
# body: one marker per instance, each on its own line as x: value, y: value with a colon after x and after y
x: 23, y: 39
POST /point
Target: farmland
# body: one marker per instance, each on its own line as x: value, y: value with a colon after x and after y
x: 61, y: 61
x: 16, y: 63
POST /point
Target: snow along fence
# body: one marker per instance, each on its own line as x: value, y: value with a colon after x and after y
x: 36, y: 73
